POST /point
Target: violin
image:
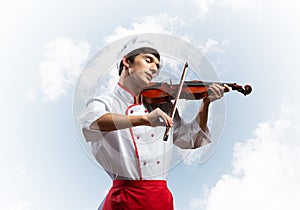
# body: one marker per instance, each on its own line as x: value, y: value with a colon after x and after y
x: 158, y: 93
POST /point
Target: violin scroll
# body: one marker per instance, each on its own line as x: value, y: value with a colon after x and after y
x: 247, y: 89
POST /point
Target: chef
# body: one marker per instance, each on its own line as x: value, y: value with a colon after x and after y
x: 126, y: 136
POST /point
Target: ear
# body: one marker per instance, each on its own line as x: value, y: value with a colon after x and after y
x: 125, y: 62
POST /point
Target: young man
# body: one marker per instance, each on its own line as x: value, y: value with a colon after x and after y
x: 127, y: 138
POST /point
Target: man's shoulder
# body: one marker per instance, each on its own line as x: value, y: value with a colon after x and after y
x: 106, y: 97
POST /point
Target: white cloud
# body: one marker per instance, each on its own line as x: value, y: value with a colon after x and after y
x: 213, y: 46
x: 165, y: 24
x: 288, y: 8
x: 266, y: 169
x: 62, y: 65
x: 203, y: 6
x: 242, y: 4
x: 21, y: 205
x: 162, y: 23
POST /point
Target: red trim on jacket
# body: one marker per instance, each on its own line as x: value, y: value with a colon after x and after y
x: 124, y: 88
x: 135, y: 147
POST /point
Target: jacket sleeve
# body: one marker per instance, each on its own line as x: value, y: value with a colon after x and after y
x: 190, y: 135
x: 94, y: 109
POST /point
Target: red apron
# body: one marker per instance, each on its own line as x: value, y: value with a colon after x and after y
x: 139, y: 195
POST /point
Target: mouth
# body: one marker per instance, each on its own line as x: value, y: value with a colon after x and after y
x: 149, y: 76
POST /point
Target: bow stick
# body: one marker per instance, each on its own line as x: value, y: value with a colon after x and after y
x: 166, y: 135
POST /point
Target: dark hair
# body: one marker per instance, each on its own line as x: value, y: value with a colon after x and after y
x: 131, y: 56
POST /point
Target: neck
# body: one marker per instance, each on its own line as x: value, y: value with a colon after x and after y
x: 131, y: 85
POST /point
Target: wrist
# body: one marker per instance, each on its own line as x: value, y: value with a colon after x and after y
x: 145, y: 120
x: 206, y: 101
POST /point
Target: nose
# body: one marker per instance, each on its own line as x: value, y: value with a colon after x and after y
x: 154, y: 70
x: 154, y: 66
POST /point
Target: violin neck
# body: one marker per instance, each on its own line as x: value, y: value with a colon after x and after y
x: 201, y: 83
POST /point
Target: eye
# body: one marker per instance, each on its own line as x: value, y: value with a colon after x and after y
x: 149, y: 60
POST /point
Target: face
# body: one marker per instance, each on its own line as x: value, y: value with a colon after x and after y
x: 144, y: 68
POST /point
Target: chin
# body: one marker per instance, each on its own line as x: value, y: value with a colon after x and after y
x: 146, y: 83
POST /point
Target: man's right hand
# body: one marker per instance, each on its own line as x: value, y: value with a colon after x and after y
x: 159, y: 118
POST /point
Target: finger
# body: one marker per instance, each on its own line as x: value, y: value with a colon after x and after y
x: 169, y: 122
x: 167, y: 119
x: 227, y: 88
x: 219, y: 88
x: 217, y: 91
x: 160, y: 118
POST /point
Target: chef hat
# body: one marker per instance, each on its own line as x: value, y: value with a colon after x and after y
x: 136, y: 46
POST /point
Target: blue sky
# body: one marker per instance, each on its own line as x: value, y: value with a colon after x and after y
x: 45, y: 45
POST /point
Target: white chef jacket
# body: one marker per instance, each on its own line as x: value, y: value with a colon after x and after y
x: 136, y: 153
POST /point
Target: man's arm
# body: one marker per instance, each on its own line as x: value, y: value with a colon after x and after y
x: 112, y: 121
x: 215, y: 92
x: 202, y: 116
